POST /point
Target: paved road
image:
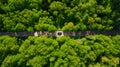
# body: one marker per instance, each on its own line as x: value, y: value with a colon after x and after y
x: 78, y: 33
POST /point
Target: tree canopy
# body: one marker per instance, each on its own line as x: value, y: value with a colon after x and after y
x: 42, y: 15
x: 43, y: 51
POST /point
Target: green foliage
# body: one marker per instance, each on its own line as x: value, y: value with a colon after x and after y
x: 85, y: 15
x: 20, y: 27
x: 89, y: 51
x: 8, y: 46
x: 68, y: 15
x: 56, y: 5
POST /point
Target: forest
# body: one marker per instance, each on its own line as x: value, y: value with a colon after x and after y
x: 66, y: 15
x: 65, y: 51
x: 43, y: 51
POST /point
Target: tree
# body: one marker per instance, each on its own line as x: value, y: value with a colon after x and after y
x: 8, y: 46
x: 52, y: 28
x: 20, y: 27
x: 56, y: 5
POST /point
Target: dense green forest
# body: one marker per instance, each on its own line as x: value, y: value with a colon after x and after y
x: 66, y: 15
x: 65, y: 51
x: 43, y: 51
